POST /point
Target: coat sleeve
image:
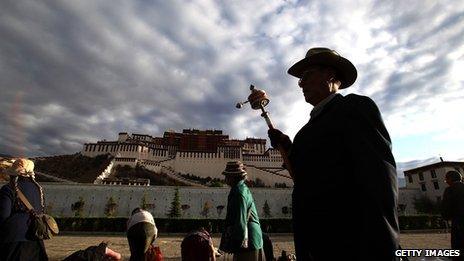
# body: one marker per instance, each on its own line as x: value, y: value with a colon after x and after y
x: 447, y: 205
x: 374, y: 171
x: 369, y: 147
x: 239, y: 220
x: 6, y: 203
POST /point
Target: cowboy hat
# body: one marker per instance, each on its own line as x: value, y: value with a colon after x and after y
x: 325, y: 56
x: 234, y: 168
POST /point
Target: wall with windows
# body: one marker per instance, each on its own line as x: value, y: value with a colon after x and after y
x: 430, y: 180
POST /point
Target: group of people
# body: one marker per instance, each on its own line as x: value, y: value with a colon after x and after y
x: 344, y: 201
x: 15, y: 218
x: 245, y: 238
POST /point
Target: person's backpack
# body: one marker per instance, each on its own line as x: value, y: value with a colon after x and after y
x: 42, y: 226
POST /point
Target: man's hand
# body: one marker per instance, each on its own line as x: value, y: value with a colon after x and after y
x: 279, y: 139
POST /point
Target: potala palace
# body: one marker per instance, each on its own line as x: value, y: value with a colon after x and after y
x: 203, y: 153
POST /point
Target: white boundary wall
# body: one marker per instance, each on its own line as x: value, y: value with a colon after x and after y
x: 59, y: 198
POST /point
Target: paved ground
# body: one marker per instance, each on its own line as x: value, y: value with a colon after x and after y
x: 62, y: 246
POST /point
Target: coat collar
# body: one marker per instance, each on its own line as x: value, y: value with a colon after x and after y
x: 327, y: 104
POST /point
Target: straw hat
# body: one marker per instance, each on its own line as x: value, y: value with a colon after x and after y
x: 235, y: 169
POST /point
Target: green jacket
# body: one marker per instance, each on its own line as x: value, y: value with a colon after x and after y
x: 239, y: 202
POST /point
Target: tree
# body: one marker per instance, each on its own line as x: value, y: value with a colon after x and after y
x: 110, y: 208
x: 425, y: 205
x: 285, y: 210
x: 144, y: 204
x: 259, y: 183
x: 78, y: 207
x: 266, y: 210
x: 184, y: 208
x: 205, y: 210
x: 219, y: 210
x: 175, y: 211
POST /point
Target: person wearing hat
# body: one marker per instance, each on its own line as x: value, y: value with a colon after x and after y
x: 453, y: 209
x: 244, y: 236
x: 14, y: 216
x: 345, y: 187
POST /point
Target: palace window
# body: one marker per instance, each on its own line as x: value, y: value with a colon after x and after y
x: 421, y: 176
x: 433, y: 174
x: 410, y: 178
x: 435, y: 185
x: 423, y: 188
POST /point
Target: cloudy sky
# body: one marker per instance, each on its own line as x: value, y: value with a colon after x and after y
x: 80, y: 71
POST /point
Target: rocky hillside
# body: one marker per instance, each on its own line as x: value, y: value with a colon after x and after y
x: 74, y: 167
x: 5, y: 162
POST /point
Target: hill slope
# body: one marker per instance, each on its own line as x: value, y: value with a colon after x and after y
x: 74, y: 167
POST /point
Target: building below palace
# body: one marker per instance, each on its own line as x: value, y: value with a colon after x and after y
x: 202, y: 153
x: 426, y: 182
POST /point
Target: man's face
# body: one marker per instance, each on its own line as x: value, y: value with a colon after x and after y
x: 449, y: 181
x: 314, y: 84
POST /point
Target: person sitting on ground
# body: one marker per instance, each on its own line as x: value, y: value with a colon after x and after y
x: 285, y: 257
x: 95, y: 253
x: 14, y: 216
x: 198, y: 246
x: 141, y: 234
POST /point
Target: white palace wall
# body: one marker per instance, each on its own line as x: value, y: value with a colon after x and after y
x: 59, y: 197
x: 213, y: 164
x: 125, y: 151
x: 202, y: 164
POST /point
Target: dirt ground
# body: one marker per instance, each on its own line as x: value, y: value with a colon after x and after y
x: 62, y: 246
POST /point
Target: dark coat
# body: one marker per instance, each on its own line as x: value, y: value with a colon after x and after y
x: 345, y: 192
x: 14, y: 221
x: 453, y: 209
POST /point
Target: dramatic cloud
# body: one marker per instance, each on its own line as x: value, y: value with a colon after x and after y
x: 79, y: 71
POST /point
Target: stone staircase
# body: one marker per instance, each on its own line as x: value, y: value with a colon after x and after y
x: 268, y: 171
x: 105, y: 173
x: 175, y: 175
x: 55, y: 179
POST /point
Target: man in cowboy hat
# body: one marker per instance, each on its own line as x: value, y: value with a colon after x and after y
x: 345, y: 190
x: 243, y: 236
x: 453, y: 209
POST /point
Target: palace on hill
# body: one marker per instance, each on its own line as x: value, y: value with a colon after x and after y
x: 203, y: 153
